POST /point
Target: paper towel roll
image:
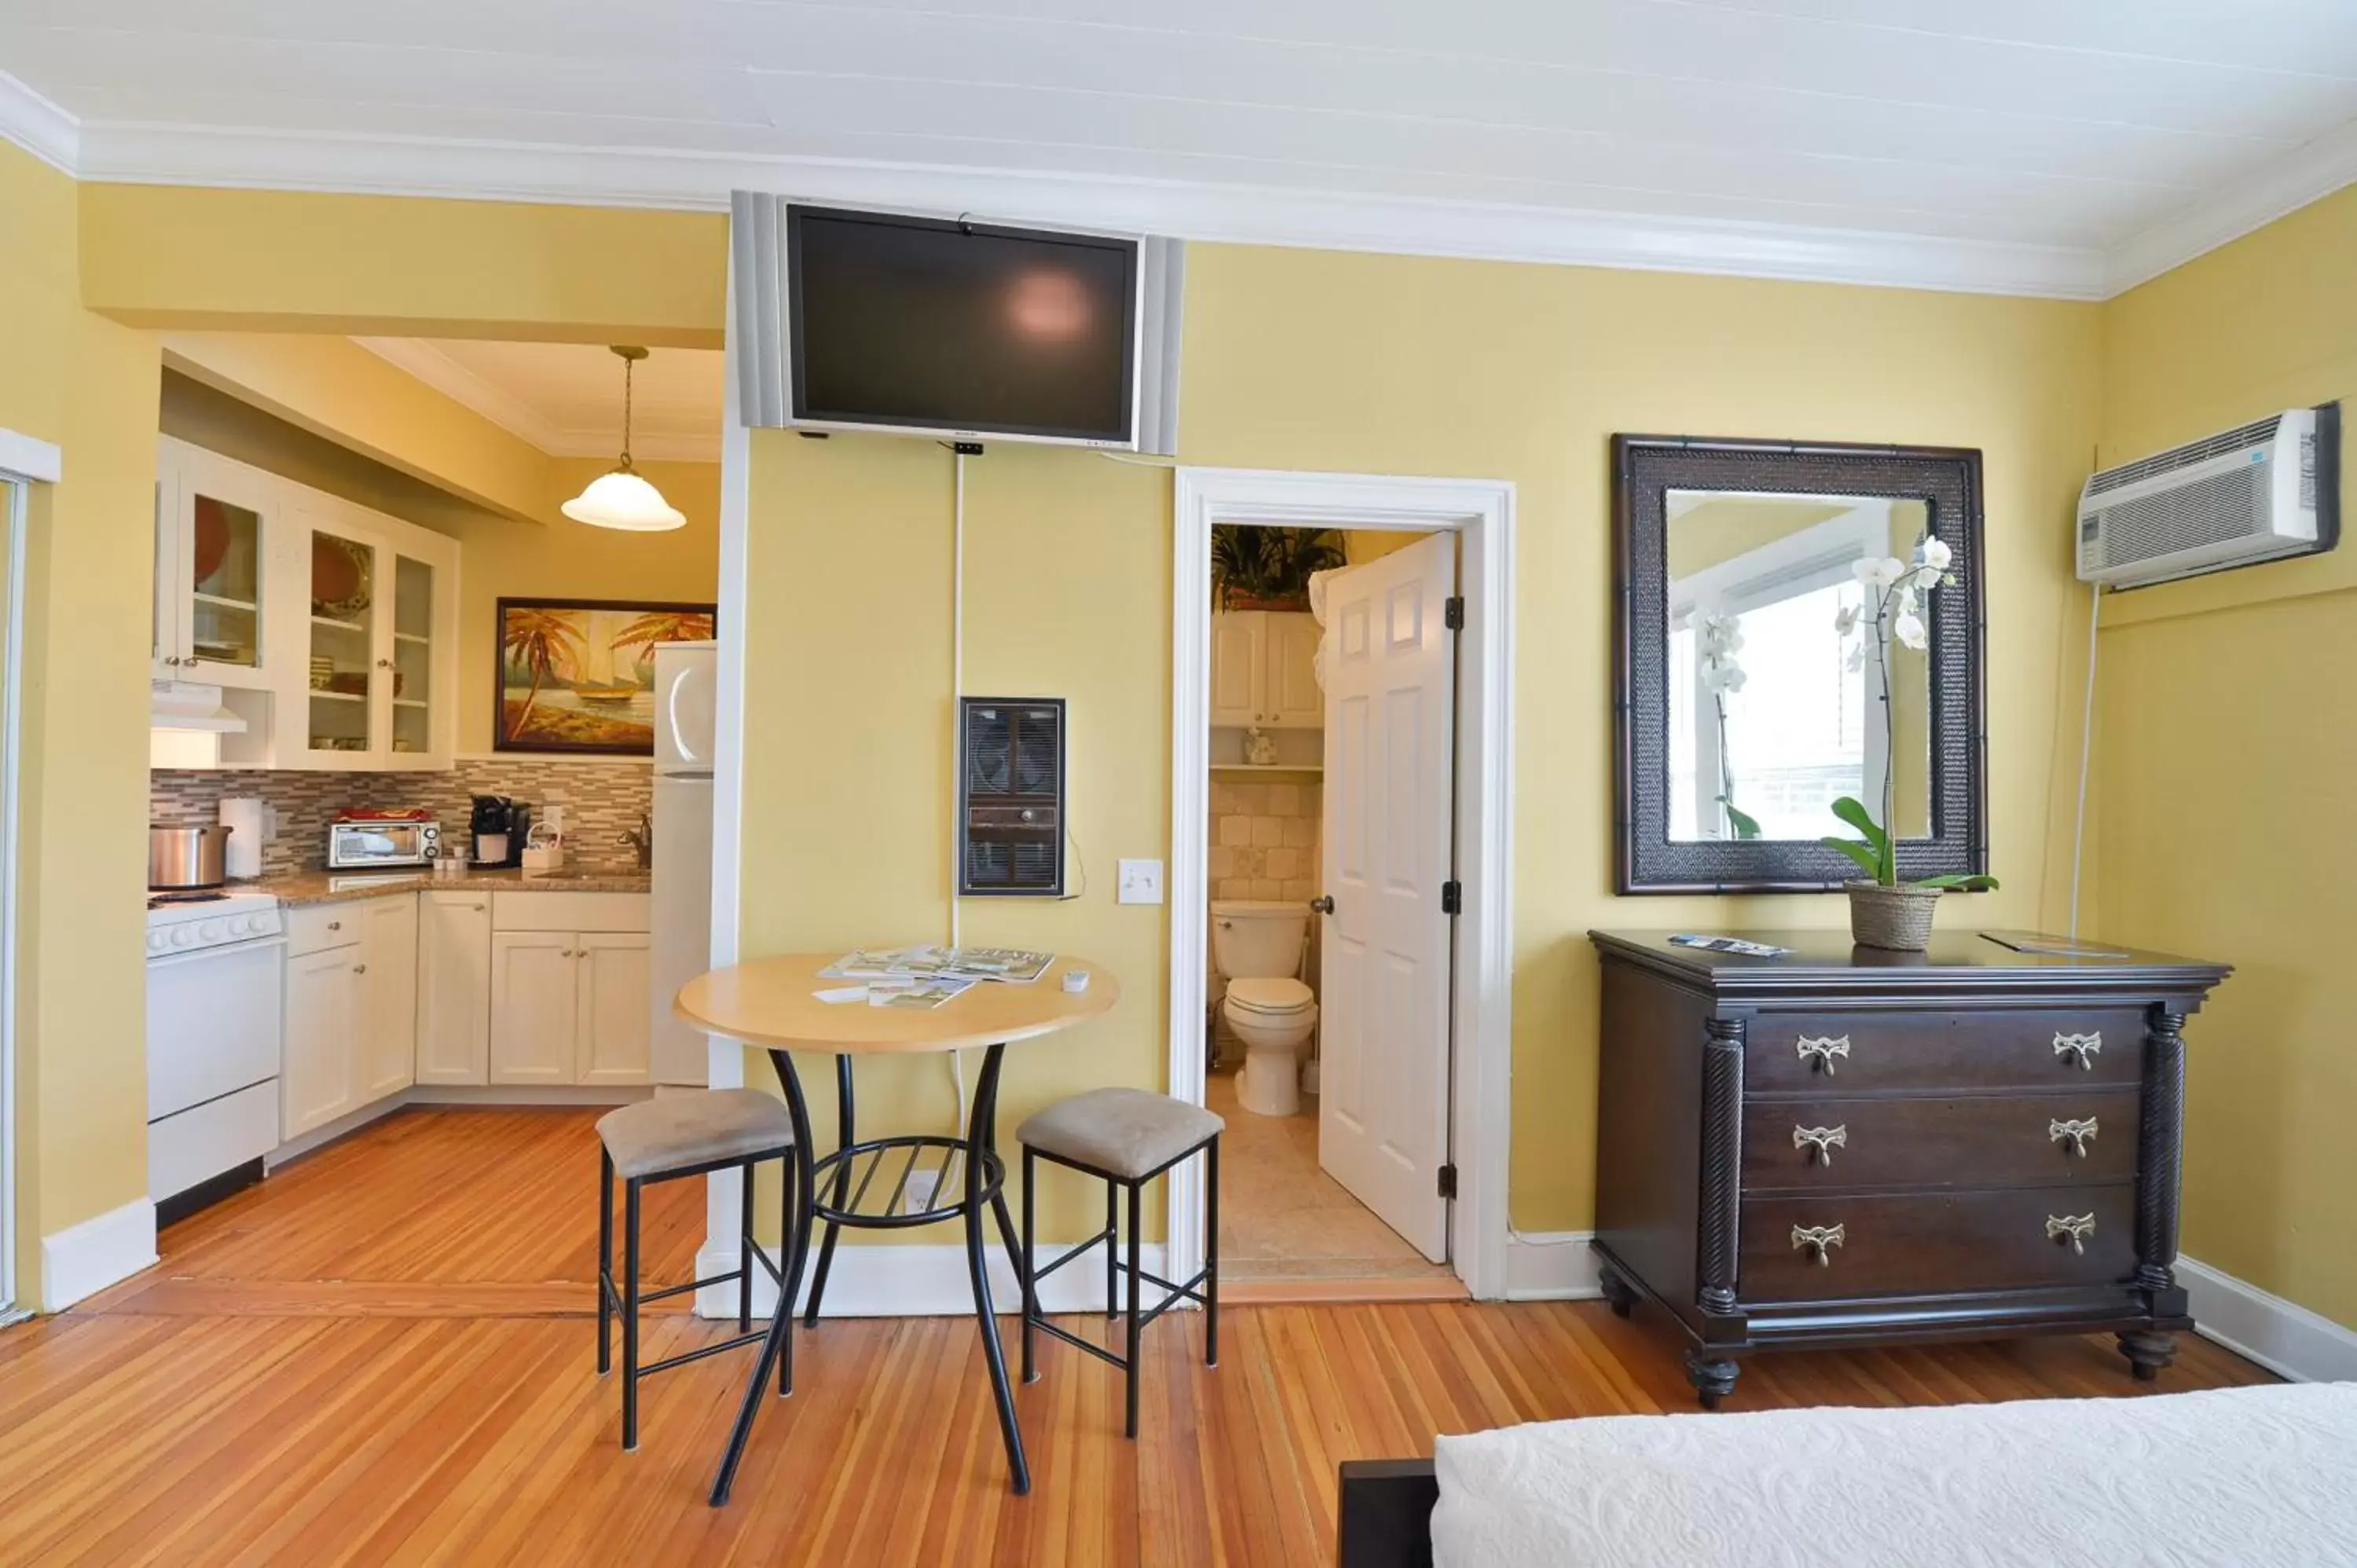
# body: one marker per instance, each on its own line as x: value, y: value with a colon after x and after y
x: 244, y: 816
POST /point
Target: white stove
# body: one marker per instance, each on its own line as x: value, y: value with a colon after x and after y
x: 216, y: 967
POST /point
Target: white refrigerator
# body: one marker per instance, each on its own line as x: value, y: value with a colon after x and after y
x: 684, y: 673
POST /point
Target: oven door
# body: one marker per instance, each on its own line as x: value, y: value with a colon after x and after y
x: 213, y: 1022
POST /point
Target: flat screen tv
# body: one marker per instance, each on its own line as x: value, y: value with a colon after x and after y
x: 965, y: 328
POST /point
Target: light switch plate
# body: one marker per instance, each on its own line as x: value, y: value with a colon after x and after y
x: 1141, y: 882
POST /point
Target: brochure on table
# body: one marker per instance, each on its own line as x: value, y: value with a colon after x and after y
x: 926, y: 976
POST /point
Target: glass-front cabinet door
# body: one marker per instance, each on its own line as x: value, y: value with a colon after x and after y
x: 416, y: 599
x: 346, y: 662
x: 217, y: 522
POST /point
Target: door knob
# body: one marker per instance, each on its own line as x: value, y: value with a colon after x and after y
x: 1323, y: 903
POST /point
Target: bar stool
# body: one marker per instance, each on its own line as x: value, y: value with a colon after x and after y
x: 666, y: 1139
x: 1126, y: 1137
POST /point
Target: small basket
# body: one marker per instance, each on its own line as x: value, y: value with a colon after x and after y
x: 1896, y: 918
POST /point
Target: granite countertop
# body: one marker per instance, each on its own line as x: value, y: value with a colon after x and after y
x: 337, y: 887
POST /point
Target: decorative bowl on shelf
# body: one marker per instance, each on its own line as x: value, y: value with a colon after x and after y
x: 339, y: 577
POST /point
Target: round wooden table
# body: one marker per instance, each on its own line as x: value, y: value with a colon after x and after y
x: 771, y: 1003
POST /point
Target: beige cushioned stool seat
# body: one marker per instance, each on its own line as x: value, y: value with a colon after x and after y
x: 663, y: 1134
x: 1124, y: 1132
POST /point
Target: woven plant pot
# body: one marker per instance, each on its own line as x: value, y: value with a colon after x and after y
x: 1897, y: 918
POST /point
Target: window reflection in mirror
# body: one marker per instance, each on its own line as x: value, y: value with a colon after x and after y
x: 1778, y: 701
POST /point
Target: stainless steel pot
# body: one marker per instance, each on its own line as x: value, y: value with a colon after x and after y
x: 187, y: 857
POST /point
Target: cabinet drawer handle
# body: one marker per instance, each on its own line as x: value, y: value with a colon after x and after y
x: 1821, y: 1141
x: 2076, y: 1227
x: 335, y: 925
x: 360, y: 968
x: 2084, y: 1047
x: 1824, y: 1048
x: 1821, y: 1239
x: 2075, y: 1133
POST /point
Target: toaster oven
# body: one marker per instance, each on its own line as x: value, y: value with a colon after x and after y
x: 382, y: 845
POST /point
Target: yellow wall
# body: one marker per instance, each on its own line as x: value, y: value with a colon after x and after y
x: 1309, y: 359
x: 2225, y: 756
x: 301, y: 262
x: 88, y: 384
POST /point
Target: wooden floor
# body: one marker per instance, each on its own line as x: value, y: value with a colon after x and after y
x: 384, y: 1355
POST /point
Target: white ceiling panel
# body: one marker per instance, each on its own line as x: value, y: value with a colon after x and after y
x: 2083, y: 129
x: 567, y: 398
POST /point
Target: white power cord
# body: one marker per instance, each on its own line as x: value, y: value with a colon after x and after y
x: 957, y: 741
x: 2086, y: 749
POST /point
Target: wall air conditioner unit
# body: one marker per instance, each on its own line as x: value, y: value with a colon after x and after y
x: 2262, y: 492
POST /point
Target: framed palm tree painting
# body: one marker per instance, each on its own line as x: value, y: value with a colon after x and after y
x: 578, y: 675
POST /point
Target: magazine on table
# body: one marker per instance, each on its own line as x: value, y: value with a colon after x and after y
x: 1017, y: 966
x: 921, y: 994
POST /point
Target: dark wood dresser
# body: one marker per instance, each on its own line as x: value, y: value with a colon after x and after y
x: 1844, y: 1146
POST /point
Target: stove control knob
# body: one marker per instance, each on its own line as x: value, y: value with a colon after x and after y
x: 182, y: 936
x: 211, y: 931
x: 242, y: 927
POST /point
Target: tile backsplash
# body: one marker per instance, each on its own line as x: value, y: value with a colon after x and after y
x: 602, y: 800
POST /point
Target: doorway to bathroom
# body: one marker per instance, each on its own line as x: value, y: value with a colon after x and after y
x: 1327, y: 1010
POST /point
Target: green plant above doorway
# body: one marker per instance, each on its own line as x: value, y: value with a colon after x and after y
x: 1269, y: 568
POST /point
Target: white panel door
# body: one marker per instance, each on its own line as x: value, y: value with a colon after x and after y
x: 1294, y: 699
x: 1382, y: 1106
x: 534, y: 1004
x: 453, y: 988
x: 1239, y: 665
x: 321, y: 1081
x: 613, y: 1032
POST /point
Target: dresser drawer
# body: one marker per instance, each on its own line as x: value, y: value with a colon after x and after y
x: 1855, y: 1053
x: 1825, y: 1144
x: 1925, y: 1243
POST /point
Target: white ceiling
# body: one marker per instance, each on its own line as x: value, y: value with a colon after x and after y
x: 2047, y: 146
x: 567, y: 398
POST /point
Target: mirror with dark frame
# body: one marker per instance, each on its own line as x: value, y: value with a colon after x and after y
x: 1797, y: 624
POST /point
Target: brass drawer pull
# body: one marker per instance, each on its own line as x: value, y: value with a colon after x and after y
x: 1821, y: 1141
x: 2075, y: 1133
x: 1822, y: 1238
x: 2085, y: 1048
x: 2077, y: 1226
x: 1824, y: 1048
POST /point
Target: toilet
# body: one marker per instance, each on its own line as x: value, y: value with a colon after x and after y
x: 1256, y: 946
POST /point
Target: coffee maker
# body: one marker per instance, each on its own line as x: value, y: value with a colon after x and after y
x: 497, y: 827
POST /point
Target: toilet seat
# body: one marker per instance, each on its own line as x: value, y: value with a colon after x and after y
x: 1270, y: 997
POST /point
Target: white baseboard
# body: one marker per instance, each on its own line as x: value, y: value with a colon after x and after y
x: 2281, y: 1335
x: 526, y: 1094
x: 919, y: 1282
x: 82, y: 1259
x: 1551, y: 1265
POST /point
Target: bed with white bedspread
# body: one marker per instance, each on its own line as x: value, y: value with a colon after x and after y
x: 2258, y: 1476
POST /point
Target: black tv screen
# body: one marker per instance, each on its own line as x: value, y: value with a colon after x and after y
x: 932, y: 324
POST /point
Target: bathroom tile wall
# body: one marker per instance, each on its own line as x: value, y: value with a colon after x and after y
x: 1264, y: 837
x: 602, y: 800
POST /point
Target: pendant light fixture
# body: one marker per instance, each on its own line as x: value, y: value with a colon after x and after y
x: 621, y: 499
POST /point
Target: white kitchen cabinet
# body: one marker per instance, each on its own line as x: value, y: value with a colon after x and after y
x: 388, y: 1043
x: 347, y: 618
x: 1264, y: 670
x: 320, y: 1077
x: 221, y: 551
x: 614, y: 1021
x: 535, y: 1007
x: 453, y: 988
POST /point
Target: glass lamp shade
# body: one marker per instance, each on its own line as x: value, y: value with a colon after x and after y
x: 623, y: 500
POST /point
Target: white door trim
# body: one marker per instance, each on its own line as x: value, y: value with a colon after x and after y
x: 15, y: 497
x: 1482, y: 512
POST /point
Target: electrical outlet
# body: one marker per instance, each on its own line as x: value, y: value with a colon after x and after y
x: 1141, y: 882
x: 918, y: 1196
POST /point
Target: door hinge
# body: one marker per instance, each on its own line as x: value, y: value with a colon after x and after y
x: 1452, y: 613
x: 1452, y: 898
x: 1449, y: 1181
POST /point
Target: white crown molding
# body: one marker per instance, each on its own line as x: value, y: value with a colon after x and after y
x: 39, y: 126
x: 422, y: 166
x: 464, y: 387
x: 205, y: 156
x: 2312, y: 172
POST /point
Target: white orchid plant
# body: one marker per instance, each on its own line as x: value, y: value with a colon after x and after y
x: 1718, y: 638
x: 1897, y: 594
